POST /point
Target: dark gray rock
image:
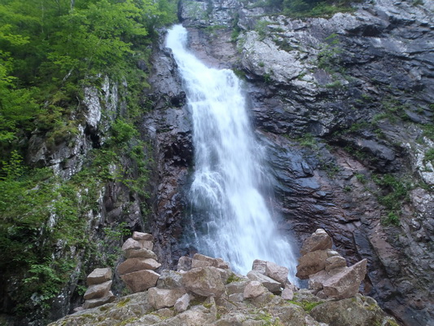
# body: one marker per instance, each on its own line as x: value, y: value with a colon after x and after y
x: 361, y: 85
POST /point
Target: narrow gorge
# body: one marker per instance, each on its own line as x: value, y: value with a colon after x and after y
x: 340, y: 107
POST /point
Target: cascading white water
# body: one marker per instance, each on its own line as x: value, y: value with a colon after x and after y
x: 237, y: 225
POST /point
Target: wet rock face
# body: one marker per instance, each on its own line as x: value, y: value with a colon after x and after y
x: 168, y: 129
x: 339, y: 103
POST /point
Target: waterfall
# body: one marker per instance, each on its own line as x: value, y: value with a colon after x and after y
x: 235, y: 222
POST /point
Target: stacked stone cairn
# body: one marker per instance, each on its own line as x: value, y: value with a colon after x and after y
x: 138, y: 270
x: 326, y: 270
x: 98, y: 292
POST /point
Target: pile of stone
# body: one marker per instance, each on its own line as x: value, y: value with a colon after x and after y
x: 98, y: 292
x: 206, y: 277
x: 326, y: 270
x: 204, y: 291
x: 138, y: 270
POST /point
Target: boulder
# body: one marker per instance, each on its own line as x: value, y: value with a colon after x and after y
x: 222, y: 264
x: 210, y: 260
x: 253, y: 289
x: 182, y: 303
x: 138, y: 242
x: 272, y: 270
x: 147, y: 244
x: 319, y: 240
x: 335, y: 262
x: 346, y: 283
x: 184, y: 263
x: 236, y: 287
x: 277, y: 272
x: 99, y: 302
x: 259, y: 266
x: 137, y: 264
x: 140, y: 253
x: 142, y: 236
x: 131, y: 244
x: 287, y: 294
x: 164, y: 298
x: 99, y: 275
x: 141, y: 280
x: 201, y: 263
x: 272, y: 285
x: 357, y: 311
x: 339, y: 283
x: 97, y: 290
x: 204, y: 281
x: 200, y: 260
x: 317, y: 280
x: 170, y: 279
x: 311, y: 263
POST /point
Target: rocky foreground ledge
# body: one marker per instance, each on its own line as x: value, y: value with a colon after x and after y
x: 205, y: 291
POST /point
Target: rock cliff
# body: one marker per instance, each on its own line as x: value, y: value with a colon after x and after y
x: 344, y: 105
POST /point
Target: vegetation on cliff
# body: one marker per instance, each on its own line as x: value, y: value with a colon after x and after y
x: 50, y: 52
x: 307, y: 8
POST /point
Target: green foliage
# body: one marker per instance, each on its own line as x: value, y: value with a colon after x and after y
x: 40, y: 213
x: 429, y: 155
x: 315, y: 8
x: 261, y: 28
x: 361, y: 178
x: 329, y: 58
x: 306, y: 305
x: 308, y: 140
x: 233, y: 278
x: 50, y: 50
x: 392, y: 219
x: 36, y: 213
x: 428, y: 131
x: 122, y: 131
x: 394, y: 195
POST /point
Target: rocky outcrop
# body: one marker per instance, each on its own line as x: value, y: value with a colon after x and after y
x: 343, y: 104
x: 65, y: 153
x: 210, y: 295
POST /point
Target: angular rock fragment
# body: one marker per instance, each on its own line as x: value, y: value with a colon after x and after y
x: 97, y: 290
x: 140, y: 253
x: 319, y: 240
x: 142, y: 236
x: 136, y: 264
x: 184, y: 263
x: 182, y: 303
x: 272, y: 285
x: 277, y: 272
x: 164, y: 298
x: 346, y: 283
x: 141, y: 280
x: 311, y: 263
x: 99, y: 301
x: 99, y: 275
x: 253, y: 289
x: 131, y: 244
x: 204, y: 281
